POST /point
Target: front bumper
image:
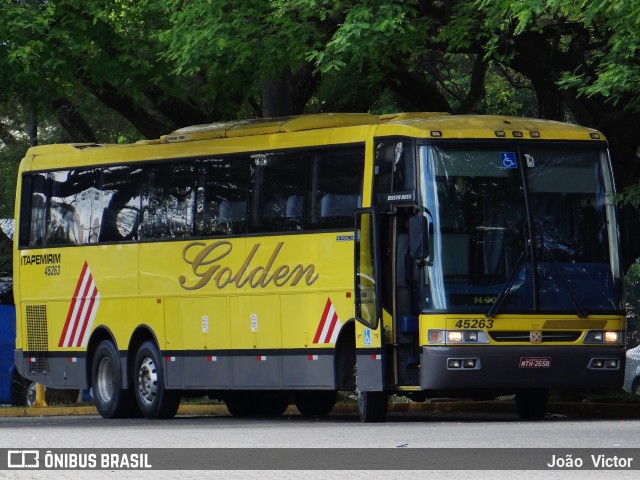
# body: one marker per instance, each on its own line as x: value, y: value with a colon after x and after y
x: 515, y: 367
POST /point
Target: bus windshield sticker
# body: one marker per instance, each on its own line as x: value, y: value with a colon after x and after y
x: 531, y: 163
x: 508, y: 160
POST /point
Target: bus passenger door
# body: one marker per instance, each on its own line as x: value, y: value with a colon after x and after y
x: 395, y: 200
x: 369, y: 328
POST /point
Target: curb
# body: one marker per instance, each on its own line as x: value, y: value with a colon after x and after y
x: 556, y: 410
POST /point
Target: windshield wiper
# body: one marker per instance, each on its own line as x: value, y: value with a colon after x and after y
x: 573, y: 295
x: 493, y: 311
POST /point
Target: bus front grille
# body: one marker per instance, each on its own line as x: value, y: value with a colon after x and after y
x: 549, y: 336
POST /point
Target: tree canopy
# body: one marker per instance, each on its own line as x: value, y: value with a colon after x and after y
x: 120, y: 70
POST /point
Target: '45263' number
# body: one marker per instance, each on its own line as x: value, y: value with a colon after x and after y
x: 51, y: 270
x: 475, y: 323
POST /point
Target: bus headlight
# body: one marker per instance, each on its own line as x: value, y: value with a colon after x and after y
x: 453, y: 337
x: 603, y: 336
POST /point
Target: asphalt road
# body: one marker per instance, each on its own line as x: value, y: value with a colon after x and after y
x: 407, y: 430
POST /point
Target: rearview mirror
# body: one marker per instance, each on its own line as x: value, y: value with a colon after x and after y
x: 419, y: 232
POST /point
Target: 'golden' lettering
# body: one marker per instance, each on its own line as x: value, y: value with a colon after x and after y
x: 205, y: 259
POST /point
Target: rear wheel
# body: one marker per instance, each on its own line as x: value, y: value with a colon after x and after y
x: 154, y: 400
x: 112, y: 401
x: 372, y: 406
x: 256, y: 404
x: 239, y: 404
x: 532, y: 403
x: 315, y: 402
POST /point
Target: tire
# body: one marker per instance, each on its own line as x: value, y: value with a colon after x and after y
x: 256, y: 404
x: 154, y: 400
x: 532, y: 403
x: 112, y: 401
x: 372, y: 406
x: 314, y: 403
x: 239, y: 404
x: 273, y: 404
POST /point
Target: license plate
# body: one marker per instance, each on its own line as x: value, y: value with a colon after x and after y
x: 535, y: 362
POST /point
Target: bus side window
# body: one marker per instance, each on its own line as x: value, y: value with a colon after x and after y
x: 335, y: 187
x: 119, y: 205
x: 33, y: 210
x: 70, y: 207
x: 278, y: 192
x: 221, y: 204
x: 169, y: 201
x: 394, y: 169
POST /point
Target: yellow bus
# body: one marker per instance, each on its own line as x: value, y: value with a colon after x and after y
x: 275, y: 260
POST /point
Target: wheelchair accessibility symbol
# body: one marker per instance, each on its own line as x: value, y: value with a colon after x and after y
x: 508, y: 160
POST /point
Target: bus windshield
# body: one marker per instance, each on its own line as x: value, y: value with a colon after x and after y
x: 520, y: 229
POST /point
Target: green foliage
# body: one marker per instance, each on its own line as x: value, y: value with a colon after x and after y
x: 9, y: 161
x: 630, y: 196
x: 632, y: 297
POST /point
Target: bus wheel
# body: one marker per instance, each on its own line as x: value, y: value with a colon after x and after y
x: 239, y: 404
x: 315, y: 402
x: 112, y: 401
x: 273, y: 404
x: 532, y: 403
x: 372, y: 406
x: 256, y: 404
x: 153, y: 398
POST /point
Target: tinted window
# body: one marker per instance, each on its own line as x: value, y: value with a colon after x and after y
x: 221, y: 205
x: 119, y: 203
x: 295, y: 190
x: 393, y: 169
x: 71, y: 218
x: 278, y: 181
x: 168, y: 201
x: 336, y: 184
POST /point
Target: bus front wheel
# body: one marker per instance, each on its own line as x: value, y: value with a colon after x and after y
x: 112, y: 401
x: 372, y: 406
x: 154, y: 400
x: 532, y: 403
